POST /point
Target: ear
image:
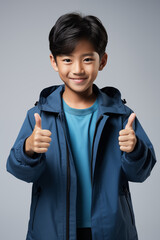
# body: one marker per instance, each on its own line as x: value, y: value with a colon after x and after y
x: 53, y: 63
x: 103, y: 61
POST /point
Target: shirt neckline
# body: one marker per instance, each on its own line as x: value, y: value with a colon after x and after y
x: 80, y: 112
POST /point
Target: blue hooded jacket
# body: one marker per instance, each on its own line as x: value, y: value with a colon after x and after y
x: 54, y: 191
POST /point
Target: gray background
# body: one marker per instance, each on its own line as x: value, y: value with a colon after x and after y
x: 133, y: 67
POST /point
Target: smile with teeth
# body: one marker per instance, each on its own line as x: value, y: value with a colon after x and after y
x: 78, y: 80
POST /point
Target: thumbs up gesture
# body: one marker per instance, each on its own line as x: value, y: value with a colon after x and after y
x: 127, y: 138
x: 40, y: 139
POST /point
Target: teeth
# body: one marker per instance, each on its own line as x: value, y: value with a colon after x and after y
x: 78, y: 78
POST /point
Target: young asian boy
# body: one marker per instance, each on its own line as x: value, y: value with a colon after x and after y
x: 79, y: 145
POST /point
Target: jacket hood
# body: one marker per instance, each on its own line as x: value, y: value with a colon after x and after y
x: 109, y: 99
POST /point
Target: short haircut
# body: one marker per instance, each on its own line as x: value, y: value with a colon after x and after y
x: 70, y: 28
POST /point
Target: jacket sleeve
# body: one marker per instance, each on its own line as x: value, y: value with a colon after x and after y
x: 19, y: 164
x: 138, y: 164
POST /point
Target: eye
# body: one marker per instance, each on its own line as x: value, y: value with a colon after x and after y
x: 67, y: 60
x: 88, y: 60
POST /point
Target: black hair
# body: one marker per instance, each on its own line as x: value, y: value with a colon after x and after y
x: 70, y: 28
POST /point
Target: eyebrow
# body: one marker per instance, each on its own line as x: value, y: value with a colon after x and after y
x: 83, y: 55
x: 88, y: 54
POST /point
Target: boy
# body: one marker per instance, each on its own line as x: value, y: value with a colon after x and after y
x: 80, y: 146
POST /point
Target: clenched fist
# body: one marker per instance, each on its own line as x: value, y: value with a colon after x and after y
x: 40, y: 139
x: 127, y: 138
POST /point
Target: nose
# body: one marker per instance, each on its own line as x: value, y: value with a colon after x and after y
x: 78, y: 68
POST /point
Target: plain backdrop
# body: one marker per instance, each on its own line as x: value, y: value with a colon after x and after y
x: 133, y: 67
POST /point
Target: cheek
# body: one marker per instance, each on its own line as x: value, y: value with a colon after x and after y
x: 94, y: 75
x: 63, y: 71
x: 94, y: 71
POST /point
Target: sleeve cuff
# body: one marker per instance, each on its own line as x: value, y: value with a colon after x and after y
x: 137, y: 153
x: 24, y: 158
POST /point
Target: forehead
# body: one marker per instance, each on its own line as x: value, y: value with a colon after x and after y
x: 83, y: 47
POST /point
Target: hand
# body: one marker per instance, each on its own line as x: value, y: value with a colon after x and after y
x: 127, y: 138
x: 40, y: 139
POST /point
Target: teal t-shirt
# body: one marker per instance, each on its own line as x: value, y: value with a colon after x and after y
x: 81, y: 125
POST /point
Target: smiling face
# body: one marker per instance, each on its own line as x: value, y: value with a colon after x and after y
x: 79, y: 69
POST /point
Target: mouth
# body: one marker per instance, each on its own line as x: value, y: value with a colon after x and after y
x: 78, y: 80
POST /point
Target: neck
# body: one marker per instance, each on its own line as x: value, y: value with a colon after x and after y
x: 79, y: 100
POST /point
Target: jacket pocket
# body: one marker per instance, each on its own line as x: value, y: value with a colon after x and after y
x: 36, y: 200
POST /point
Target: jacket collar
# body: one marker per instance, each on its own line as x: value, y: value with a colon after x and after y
x: 51, y: 99
x: 109, y: 100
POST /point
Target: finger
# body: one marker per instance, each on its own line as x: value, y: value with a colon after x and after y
x: 37, y: 120
x: 123, y: 138
x: 130, y: 121
x: 124, y: 132
x: 127, y: 137
x: 125, y: 148
x: 46, y: 133
x: 38, y: 138
x: 43, y: 139
x: 127, y: 143
x: 41, y: 145
x: 41, y: 150
x: 46, y: 139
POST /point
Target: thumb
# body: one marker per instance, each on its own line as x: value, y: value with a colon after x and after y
x: 38, y: 120
x: 130, y: 121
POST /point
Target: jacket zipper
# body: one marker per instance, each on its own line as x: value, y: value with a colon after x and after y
x: 68, y: 195
x: 97, y: 123
x: 68, y: 173
x: 68, y: 185
x: 129, y: 207
x: 35, y: 208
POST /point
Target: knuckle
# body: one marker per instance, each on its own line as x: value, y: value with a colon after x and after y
x: 48, y: 145
x: 120, y: 132
x: 48, y: 133
x: 45, y: 150
x: 132, y: 144
x: 128, y: 149
x: 36, y: 131
x: 36, y: 137
x: 48, y: 140
x: 36, y: 144
x: 36, y: 150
